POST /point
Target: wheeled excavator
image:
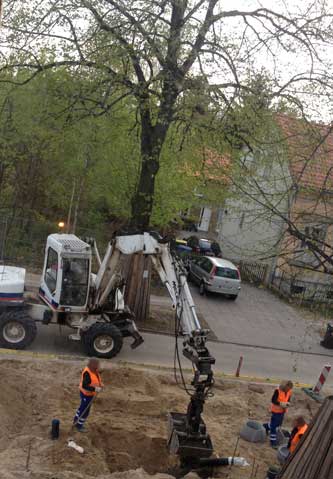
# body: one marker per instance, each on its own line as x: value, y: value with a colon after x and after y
x: 92, y: 305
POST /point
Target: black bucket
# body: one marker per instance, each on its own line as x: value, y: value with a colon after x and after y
x: 273, y: 472
x: 55, y: 429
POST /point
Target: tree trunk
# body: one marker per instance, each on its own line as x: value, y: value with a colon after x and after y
x: 142, y: 202
x: 152, y: 140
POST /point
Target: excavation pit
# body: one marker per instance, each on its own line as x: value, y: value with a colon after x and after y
x: 127, y: 428
x: 126, y: 450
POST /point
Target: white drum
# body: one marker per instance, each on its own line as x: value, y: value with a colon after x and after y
x: 11, y: 283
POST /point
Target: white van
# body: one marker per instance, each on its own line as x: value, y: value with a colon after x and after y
x: 215, y: 275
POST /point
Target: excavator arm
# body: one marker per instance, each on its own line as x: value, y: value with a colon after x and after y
x: 187, y: 432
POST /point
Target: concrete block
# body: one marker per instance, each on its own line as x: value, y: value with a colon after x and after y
x: 253, y: 431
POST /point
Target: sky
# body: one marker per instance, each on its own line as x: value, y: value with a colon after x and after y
x: 287, y: 63
x: 282, y: 63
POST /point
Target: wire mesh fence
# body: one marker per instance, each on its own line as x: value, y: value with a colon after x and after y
x: 305, y: 291
x: 302, y: 291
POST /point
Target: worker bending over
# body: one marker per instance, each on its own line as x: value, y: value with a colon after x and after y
x: 90, y: 385
x: 300, y: 428
x: 280, y: 402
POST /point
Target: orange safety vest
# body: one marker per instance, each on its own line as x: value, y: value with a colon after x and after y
x: 282, y: 397
x: 95, y: 379
x: 295, y: 440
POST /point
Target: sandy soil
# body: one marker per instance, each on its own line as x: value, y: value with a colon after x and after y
x: 127, y: 428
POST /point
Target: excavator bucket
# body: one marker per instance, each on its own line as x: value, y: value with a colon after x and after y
x: 189, y: 447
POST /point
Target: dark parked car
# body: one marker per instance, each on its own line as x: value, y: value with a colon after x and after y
x: 204, y: 246
x: 180, y: 247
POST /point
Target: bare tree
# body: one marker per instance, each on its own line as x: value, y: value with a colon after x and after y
x: 286, y: 191
x: 153, y: 51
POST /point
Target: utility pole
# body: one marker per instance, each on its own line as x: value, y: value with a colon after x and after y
x: 69, y: 216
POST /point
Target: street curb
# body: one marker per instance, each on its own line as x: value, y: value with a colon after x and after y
x: 49, y: 356
x: 217, y: 374
x: 34, y: 354
x: 244, y: 345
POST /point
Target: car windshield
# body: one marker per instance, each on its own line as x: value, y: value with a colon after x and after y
x: 227, y: 273
x: 205, y: 244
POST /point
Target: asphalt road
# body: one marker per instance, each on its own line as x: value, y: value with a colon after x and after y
x: 159, y: 349
x: 273, y: 338
x: 258, y: 317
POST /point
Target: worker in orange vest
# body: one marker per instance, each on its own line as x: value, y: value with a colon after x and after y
x: 300, y: 428
x: 90, y: 385
x: 280, y: 402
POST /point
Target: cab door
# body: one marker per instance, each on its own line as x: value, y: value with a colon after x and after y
x: 51, y: 277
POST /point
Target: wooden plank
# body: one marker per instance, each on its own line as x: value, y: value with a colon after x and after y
x: 313, y: 458
x: 137, y: 295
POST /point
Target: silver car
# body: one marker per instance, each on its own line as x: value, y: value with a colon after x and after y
x: 215, y: 275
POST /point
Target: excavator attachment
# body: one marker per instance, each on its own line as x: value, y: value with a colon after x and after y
x: 189, y: 447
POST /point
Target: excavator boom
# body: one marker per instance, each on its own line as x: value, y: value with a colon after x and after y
x: 187, y: 432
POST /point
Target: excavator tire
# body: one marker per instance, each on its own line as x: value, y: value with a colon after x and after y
x: 102, y: 340
x: 17, y: 329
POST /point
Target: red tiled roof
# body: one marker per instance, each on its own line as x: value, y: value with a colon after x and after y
x: 214, y: 165
x: 310, y: 151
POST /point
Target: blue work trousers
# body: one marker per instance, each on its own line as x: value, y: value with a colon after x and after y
x: 276, y: 422
x: 83, y: 410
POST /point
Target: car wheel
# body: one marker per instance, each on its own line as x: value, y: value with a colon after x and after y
x: 202, y: 288
x: 17, y: 329
x: 233, y: 297
x: 102, y: 340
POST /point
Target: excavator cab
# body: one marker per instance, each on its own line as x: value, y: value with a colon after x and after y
x: 66, y: 274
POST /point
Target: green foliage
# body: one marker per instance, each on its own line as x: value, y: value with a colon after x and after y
x: 50, y: 151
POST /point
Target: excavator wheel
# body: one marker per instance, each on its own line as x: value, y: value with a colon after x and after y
x: 102, y: 340
x: 17, y: 329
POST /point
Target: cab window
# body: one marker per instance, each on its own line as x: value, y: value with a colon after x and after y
x: 51, y: 272
x: 75, y: 279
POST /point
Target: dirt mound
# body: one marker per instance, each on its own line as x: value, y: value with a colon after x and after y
x: 131, y: 474
x: 127, y: 428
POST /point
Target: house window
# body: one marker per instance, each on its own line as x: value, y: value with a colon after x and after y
x: 316, y: 232
x: 313, y: 233
x: 305, y: 258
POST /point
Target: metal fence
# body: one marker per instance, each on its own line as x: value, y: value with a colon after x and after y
x: 253, y: 271
x: 308, y: 292
x: 302, y: 291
